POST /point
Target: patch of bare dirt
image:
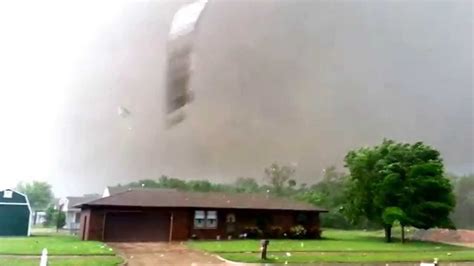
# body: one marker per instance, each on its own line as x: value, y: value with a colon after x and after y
x: 459, y: 237
x: 152, y: 254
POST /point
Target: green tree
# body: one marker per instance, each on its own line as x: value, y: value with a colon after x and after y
x: 246, y: 185
x: 144, y: 183
x: 391, y: 215
x: 39, y: 194
x: 279, y: 176
x: 54, y: 218
x: 200, y: 185
x: 176, y: 183
x: 399, y: 175
x: 291, y: 183
x: 328, y: 193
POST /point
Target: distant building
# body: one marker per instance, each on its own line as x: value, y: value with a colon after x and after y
x: 39, y: 217
x: 73, y: 215
x: 15, y: 213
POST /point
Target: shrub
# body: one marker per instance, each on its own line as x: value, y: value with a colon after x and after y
x: 335, y: 219
x: 253, y: 232
x: 54, y: 218
x: 313, y: 233
x: 275, y: 232
x: 298, y: 232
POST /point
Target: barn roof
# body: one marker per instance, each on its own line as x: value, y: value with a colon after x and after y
x: 14, y: 197
x: 174, y: 198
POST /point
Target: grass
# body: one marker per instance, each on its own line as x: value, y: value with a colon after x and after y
x: 56, y: 245
x: 361, y: 257
x: 337, y: 246
x: 83, y: 261
x: 75, y: 252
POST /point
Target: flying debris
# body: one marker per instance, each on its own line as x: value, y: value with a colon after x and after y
x: 180, y: 52
x: 185, y: 19
x: 123, y: 112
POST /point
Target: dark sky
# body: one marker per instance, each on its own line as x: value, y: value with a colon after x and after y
x: 288, y: 81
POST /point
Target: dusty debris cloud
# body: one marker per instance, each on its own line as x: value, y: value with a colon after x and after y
x: 287, y: 81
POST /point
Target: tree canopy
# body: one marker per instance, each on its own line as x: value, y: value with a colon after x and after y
x: 399, y: 179
x: 39, y: 194
x: 54, y: 217
x: 328, y: 193
x: 278, y: 177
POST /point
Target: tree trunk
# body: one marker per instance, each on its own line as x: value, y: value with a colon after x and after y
x: 403, y: 233
x: 388, y: 233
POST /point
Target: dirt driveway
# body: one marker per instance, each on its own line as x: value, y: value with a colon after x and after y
x: 152, y: 254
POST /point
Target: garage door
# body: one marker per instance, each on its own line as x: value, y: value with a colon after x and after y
x: 136, y: 227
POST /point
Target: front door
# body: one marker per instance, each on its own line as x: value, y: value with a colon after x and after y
x: 230, y: 223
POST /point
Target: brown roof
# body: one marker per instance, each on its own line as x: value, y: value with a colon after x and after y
x: 217, y: 200
x: 115, y: 190
x: 74, y: 201
x: 120, y: 189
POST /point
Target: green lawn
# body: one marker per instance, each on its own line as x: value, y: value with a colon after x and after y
x: 337, y: 246
x: 83, y: 261
x: 56, y: 245
x: 333, y: 257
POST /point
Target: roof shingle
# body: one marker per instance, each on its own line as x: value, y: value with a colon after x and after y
x: 217, y: 200
x: 73, y: 202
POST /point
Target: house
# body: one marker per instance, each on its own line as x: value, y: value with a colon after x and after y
x: 15, y: 213
x: 73, y: 214
x: 140, y: 215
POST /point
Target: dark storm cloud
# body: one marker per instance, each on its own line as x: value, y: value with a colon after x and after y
x: 288, y: 81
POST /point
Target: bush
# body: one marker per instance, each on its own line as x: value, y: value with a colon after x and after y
x: 275, y: 232
x: 313, y: 233
x: 60, y: 219
x: 298, y: 232
x: 253, y: 232
x: 335, y: 219
x: 54, y: 218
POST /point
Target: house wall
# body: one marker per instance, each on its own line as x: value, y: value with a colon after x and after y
x: 182, y: 222
x: 70, y: 222
x: 69, y: 219
x: 84, y: 231
x: 246, y: 218
x: 14, y: 220
x: 94, y: 226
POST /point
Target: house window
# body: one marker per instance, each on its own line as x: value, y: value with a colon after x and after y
x: 205, y: 219
x: 8, y: 194
x: 199, y: 219
x: 211, y: 219
x: 303, y: 219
